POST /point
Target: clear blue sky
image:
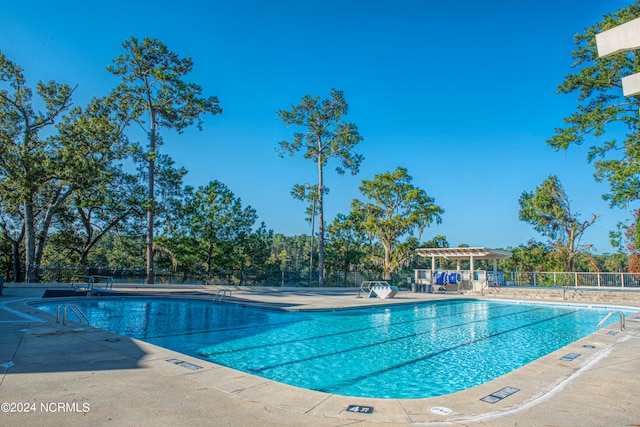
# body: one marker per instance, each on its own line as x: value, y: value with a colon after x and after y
x: 462, y: 94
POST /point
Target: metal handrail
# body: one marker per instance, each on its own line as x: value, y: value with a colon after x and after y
x: 75, y: 310
x: 221, y: 295
x: 608, y: 316
x: 89, y: 281
x: 365, y: 287
x: 107, y: 280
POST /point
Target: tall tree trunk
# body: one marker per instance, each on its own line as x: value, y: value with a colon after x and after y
x: 320, y: 227
x: 29, y: 242
x: 208, y: 264
x: 56, y: 201
x: 15, y: 246
x: 347, y: 264
x: 571, y: 247
x: 85, y: 218
x: 387, y: 261
x: 15, y: 252
x: 151, y: 202
x: 34, y: 245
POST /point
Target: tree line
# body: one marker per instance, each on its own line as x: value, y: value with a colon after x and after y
x: 67, y: 198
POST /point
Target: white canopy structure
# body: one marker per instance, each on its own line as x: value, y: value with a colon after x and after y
x: 619, y: 39
x: 459, y: 254
x: 469, y: 279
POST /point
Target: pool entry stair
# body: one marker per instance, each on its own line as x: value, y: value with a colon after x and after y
x: 73, y: 308
x: 379, y: 289
x: 221, y: 295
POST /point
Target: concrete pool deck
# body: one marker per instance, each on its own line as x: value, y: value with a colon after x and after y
x: 75, y: 375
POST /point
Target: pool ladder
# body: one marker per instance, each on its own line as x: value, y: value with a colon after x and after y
x: 75, y: 310
x: 608, y: 316
x: 221, y: 295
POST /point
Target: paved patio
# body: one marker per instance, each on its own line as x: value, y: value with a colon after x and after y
x: 76, y: 375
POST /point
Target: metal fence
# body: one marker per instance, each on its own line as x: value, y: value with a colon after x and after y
x: 584, y: 279
x: 530, y: 278
x: 66, y: 274
x: 288, y: 278
x: 341, y: 279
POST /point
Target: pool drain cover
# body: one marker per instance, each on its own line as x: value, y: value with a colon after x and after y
x: 441, y: 410
x: 184, y: 364
x: 571, y: 356
x: 500, y: 394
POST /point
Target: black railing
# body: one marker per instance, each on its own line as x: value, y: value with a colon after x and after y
x: 249, y: 277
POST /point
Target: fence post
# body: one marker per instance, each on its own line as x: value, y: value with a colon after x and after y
x: 599, y: 275
x: 622, y: 279
x: 554, y: 279
x: 576, y: 279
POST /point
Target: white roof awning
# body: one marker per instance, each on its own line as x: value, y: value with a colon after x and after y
x: 464, y: 253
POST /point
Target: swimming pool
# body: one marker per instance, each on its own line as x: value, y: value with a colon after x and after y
x: 402, y: 351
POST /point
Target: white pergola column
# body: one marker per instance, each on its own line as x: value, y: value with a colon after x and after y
x: 433, y: 263
x: 495, y: 265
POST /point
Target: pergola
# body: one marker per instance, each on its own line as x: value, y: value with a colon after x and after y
x: 619, y: 39
x: 459, y: 254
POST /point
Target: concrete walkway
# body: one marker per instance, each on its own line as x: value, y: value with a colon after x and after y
x: 74, y: 375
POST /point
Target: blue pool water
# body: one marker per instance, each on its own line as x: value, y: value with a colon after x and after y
x: 402, y: 351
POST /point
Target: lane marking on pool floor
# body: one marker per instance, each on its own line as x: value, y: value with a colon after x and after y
x: 407, y: 337
x: 341, y: 383
x: 367, y: 328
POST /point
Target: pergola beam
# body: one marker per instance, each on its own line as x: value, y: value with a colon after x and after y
x: 619, y: 39
x: 478, y: 253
